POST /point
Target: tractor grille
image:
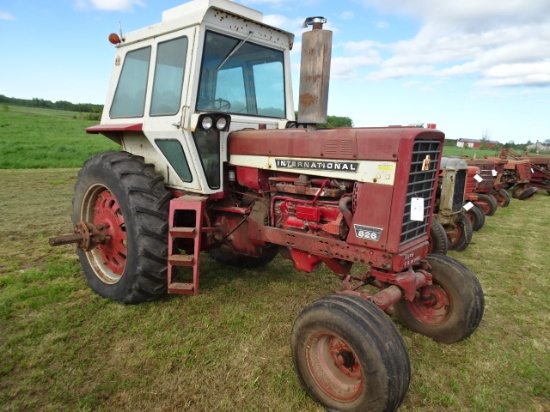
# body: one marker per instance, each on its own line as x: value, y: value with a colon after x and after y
x: 458, y: 195
x: 421, y: 184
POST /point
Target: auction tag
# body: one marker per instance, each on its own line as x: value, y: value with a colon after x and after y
x: 478, y: 178
x: 494, y: 172
x: 417, y: 209
x: 468, y: 206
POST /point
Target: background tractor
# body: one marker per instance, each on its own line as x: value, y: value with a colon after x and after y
x: 214, y: 160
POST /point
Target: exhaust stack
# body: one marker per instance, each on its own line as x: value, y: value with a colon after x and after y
x: 315, y: 72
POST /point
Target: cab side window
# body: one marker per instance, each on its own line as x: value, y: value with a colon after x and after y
x: 168, y: 82
x: 129, y: 99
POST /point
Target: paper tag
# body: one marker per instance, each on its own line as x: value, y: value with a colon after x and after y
x: 468, y: 206
x: 417, y: 209
x: 494, y: 172
x: 478, y: 178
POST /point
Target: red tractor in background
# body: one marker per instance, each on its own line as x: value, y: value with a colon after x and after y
x: 214, y: 161
x: 489, y: 195
x: 515, y: 175
x: 540, y: 168
x: 471, y: 198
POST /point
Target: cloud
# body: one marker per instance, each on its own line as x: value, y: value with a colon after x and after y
x: 6, y: 16
x: 109, y: 5
x: 502, y: 44
x: 347, y: 15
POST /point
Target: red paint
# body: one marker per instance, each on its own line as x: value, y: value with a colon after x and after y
x: 125, y: 127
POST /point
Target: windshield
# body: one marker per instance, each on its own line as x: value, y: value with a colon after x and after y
x: 241, y: 77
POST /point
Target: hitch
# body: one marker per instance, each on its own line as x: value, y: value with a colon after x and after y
x: 86, y: 235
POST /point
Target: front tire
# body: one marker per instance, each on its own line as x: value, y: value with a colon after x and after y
x: 450, y: 309
x: 460, y: 236
x: 437, y: 240
x: 349, y: 355
x: 476, y: 217
x: 488, y: 204
x: 502, y: 197
x: 120, y: 190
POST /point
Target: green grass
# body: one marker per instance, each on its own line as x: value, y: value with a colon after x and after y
x: 42, y: 138
x: 455, y: 151
x: 62, y: 347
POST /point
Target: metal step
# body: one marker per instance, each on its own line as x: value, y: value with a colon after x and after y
x: 183, y: 232
x: 181, y: 288
x: 181, y: 260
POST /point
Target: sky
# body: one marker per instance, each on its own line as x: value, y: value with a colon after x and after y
x: 478, y: 69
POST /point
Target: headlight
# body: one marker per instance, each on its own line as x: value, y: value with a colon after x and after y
x: 207, y: 122
x: 221, y: 123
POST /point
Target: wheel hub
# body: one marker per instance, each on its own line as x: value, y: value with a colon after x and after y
x: 433, y: 306
x: 114, y: 250
x: 334, y: 366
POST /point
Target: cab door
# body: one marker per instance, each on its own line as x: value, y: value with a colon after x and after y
x: 168, y: 105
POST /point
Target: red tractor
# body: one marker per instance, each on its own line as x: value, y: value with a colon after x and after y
x: 515, y: 175
x: 213, y: 160
x: 471, y: 199
x: 540, y: 168
x: 489, y: 196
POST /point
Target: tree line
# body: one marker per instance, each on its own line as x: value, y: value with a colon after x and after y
x: 58, y: 105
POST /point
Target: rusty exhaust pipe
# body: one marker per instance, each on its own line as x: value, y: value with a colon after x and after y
x: 314, y: 72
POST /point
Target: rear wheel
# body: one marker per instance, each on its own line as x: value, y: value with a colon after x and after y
x: 502, y: 197
x: 243, y: 261
x: 349, y: 355
x: 437, y: 240
x: 460, y: 235
x: 476, y: 217
x: 119, y: 190
x: 450, y: 309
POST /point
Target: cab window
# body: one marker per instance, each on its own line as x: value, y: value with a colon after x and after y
x: 129, y: 99
x: 168, y: 82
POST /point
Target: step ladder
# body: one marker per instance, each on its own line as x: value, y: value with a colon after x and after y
x: 191, y: 210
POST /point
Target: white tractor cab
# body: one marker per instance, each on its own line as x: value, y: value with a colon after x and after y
x: 180, y: 86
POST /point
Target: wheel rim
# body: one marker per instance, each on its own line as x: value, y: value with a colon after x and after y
x: 109, y: 259
x: 454, y: 235
x: 432, y: 307
x: 334, y: 366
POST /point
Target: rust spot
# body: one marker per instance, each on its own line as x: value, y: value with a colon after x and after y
x: 307, y: 100
x: 312, y: 79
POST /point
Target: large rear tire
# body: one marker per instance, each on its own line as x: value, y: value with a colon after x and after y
x: 350, y: 356
x: 120, y: 190
x: 243, y: 261
x: 460, y: 236
x: 437, y: 240
x: 450, y: 309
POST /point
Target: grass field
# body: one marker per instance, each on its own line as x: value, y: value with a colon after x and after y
x: 62, y: 347
x: 41, y: 138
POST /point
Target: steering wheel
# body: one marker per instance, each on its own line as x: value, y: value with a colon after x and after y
x: 217, y: 104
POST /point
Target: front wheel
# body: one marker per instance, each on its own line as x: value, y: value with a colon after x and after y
x: 450, y: 309
x: 487, y: 203
x: 123, y: 193
x: 476, y: 217
x: 502, y: 197
x: 460, y: 235
x: 437, y: 240
x: 349, y: 355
